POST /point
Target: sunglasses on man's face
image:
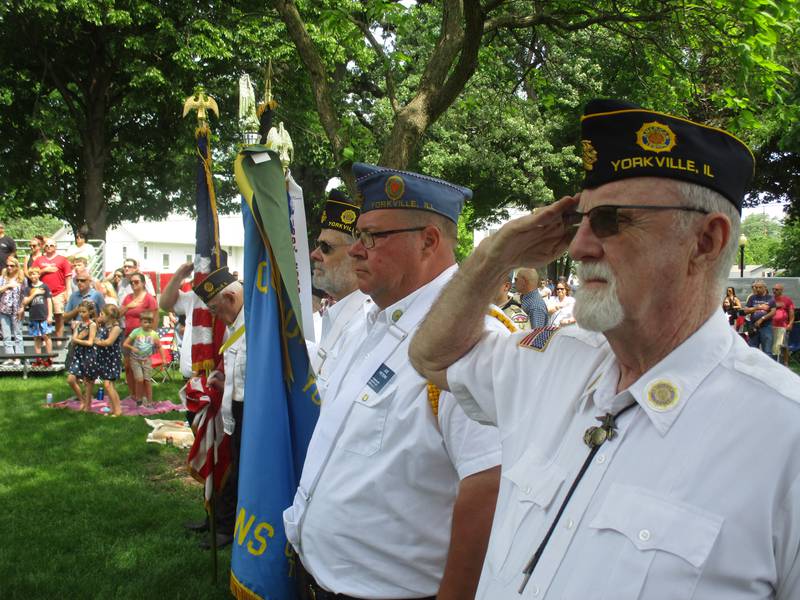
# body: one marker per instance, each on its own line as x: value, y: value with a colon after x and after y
x: 605, y: 220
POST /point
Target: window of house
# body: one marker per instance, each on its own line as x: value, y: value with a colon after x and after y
x: 124, y: 253
x: 189, y: 258
x: 165, y: 261
x: 145, y: 253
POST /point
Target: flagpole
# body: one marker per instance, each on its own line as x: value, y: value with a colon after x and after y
x: 202, y: 103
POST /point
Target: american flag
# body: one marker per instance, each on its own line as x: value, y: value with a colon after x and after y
x: 209, y: 457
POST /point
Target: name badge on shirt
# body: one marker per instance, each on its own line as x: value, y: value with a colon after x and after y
x: 380, y: 378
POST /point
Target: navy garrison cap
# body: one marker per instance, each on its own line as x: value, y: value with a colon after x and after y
x: 340, y: 214
x: 621, y: 140
x: 380, y: 187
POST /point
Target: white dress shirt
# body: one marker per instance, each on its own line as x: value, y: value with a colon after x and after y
x: 377, y: 524
x: 184, y: 305
x: 235, y: 357
x: 698, y: 497
x: 338, y: 319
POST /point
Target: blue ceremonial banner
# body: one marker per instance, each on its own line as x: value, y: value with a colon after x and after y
x: 281, y: 401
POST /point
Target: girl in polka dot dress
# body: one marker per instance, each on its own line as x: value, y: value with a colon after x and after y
x: 83, y: 368
x: 109, y: 354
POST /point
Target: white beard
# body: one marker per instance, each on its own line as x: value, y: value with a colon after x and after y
x: 597, y: 309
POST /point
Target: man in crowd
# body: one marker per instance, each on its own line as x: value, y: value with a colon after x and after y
x: 225, y: 299
x: 333, y: 273
x: 626, y: 440
x: 55, y: 272
x: 85, y: 291
x: 129, y: 267
x: 8, y: 247
x: 531, y: 300
x: 782, y: 323
x: 544, y: 291
x: 398, y: 486
x: 506, y: 302
x: 174, y: 299
x: 760, y: 308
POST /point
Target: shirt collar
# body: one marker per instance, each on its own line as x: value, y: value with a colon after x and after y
x: 341, y: 306
x: 664, y: 390
x: 238, y: 322
x: 392, y: 314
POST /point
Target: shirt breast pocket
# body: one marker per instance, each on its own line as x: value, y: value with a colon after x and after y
x: 656, y: 546
x: 531, y: 483
x: 363, y: 432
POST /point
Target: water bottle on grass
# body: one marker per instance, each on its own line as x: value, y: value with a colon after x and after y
x: 49, y: 398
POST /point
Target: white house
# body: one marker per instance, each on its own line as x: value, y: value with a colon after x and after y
x: 160, y: 246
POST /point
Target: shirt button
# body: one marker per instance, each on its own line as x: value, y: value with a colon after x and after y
x: 535, y: 590
x: 644, y: 535
x: 570, y: 524
x: 528, y: 490
x: 601, y: 458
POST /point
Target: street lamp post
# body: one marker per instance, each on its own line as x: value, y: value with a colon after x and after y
x: 742, y: 244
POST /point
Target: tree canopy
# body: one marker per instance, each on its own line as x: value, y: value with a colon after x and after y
x: 483, y: 93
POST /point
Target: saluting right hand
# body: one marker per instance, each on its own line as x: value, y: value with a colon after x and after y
x: 534, y: 239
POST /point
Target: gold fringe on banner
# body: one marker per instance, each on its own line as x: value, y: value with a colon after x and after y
x: 240, y: 592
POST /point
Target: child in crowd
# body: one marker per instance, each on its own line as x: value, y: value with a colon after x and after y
x: 83, y: 367
x: 39, y: 301
x: 142, y: 343
x: 109, y: 354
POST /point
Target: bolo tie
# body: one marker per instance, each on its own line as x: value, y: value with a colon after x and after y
x: 594, y: 437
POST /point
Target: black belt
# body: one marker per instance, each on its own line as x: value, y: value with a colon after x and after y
x: 311, y: 590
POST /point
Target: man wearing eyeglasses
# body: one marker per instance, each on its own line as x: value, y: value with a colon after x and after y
x: 643, y: 456
x: 129, y: 267
x: 85, y: 291
x: 56, y: 274
x: 398, y: 487
x: 333, y: 273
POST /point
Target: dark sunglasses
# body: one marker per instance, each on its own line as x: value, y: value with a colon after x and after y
x: 82, y: 280
x: 561, y: 289
x: 327, y: 248
x: 605, y: 220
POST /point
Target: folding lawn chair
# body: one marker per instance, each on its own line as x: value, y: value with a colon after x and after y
x: 163, y: 370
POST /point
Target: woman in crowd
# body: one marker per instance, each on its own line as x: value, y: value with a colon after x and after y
x: 37, y: 247
x: 11, y: 308
x: 133, y: 305
x: 107, y: 289
x: 560, y: 308
x: 731, y: 305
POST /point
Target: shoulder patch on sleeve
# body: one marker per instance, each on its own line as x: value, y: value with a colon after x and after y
x: 538, y: 338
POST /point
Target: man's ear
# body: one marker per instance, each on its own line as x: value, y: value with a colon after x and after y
x: 712, y: 239
x: 431, y: 238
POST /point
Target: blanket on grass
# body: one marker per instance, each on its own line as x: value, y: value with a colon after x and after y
x: 128, y: 405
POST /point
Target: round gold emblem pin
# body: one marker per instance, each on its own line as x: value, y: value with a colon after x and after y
x: 396, y: 315
x: 656, y: 137
x: 662, y: 395
x: 208, y: 286
x: 348, y: 217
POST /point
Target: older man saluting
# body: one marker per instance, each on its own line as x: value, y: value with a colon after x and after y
x: 398, y: 487
x: 648, y: 453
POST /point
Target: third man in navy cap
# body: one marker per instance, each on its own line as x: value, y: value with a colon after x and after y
x: 648, y: 452
x: 398, y: 487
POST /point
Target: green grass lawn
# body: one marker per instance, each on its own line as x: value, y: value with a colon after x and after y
x: 89, y: 510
